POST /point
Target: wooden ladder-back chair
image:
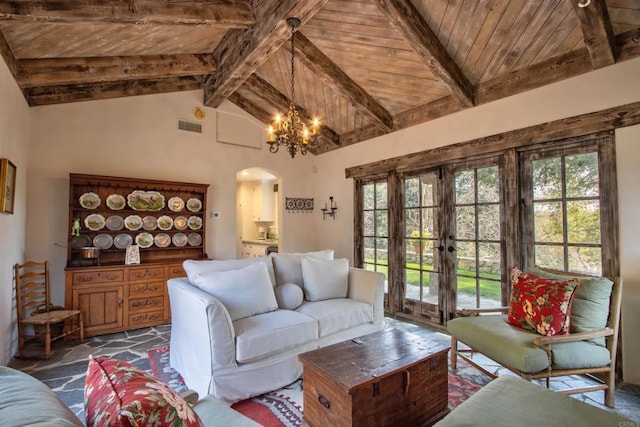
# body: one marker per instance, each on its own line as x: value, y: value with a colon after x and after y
x: 38, y: 320
x: 532, y: 356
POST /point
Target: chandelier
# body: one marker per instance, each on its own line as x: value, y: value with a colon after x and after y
x: 290, y: 132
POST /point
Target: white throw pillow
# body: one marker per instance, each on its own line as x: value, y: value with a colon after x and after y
x: 244, y: 292
x: 289, y: 296
x: 325, y: 279
x: 287, y: 266
x: 196, y: 268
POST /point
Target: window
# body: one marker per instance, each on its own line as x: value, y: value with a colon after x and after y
x: 460, y: 225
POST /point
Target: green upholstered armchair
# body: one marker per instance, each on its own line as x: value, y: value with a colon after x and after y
x: 589, y: 348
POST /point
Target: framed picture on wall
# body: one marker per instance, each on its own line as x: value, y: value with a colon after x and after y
x: 7, y: 185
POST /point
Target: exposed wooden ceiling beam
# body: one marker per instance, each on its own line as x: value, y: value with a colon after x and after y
x: 598, y: 32
x: 241, y: 52
x: 281, y: 102
x: 61, y: 94
x: 408, y: 21
x: 7, y: 54
x: 333, y: 76
x: 223, y: 13
x: 47, y: 72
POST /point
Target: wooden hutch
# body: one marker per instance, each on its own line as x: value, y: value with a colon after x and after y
x: 167, y: 220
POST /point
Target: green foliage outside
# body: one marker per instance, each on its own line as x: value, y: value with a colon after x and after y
x: 466, y: 285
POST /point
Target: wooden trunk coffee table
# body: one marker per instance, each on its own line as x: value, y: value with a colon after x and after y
x: 387, y: 378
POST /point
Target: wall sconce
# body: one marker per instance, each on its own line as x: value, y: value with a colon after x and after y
x: 329, y: 210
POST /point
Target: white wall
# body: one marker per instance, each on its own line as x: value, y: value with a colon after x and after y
x: 14, y: 144
x: 608, y: 87
x: 137, y: 137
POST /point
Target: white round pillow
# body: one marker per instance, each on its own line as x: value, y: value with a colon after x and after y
x: 289, y: 296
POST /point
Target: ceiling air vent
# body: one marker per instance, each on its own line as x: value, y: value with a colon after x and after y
x: 189, y: 126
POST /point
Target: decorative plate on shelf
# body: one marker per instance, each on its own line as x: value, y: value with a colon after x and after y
x: 194, y: 239
x: 144, y: 240
x: 80, y: 241
x: 121, y: 241
x: 149, y: 223
x: 145, y: 200
x: 89, y: 200
x: 116, y: 202
x: 194, y: 205
x: 165, y: 222
x: 176, y: 204
x: 133, y: 222
x: 162, y: 240
x: 115, y: 222
x: 103, y: 241
x: 94, y: 222
x: 180, y: 223
x: 179, y: 239
x: 195, y: 222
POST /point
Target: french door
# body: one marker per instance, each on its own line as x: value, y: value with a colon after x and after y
x: 453, y: 252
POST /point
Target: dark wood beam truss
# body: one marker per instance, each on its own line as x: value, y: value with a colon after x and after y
x: 222, y: 13
x: 60, y: 71
x: 241, y: 52
x: 598, y: 32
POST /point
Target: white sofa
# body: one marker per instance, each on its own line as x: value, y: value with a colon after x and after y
x: 233, y: 354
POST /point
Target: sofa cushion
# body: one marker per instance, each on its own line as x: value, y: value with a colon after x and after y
x: 269, y: 333
x: 498, y: 340
x: 591, y: 303
x: 244, y: 292
x: 335, y: 315
x: 196, y: 268
x: 118, y: 393
x: 26, y: 401
x: 288, y: 266
x: 577, y: 355
x: 541, y: 304
x: 325, y: 279
x: 289, y: 296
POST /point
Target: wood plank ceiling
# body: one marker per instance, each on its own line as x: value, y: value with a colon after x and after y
x: 364, y: 67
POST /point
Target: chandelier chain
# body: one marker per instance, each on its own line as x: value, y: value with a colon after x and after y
x: 293, y: 67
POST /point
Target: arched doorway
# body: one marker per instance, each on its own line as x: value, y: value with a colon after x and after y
x: 257, y: 199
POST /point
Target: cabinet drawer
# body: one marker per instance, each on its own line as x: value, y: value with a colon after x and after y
x: 86, y: 277
x: 146, y: 289
x: 146, y: 273
x: 141, y: 319
x: 142, y: 304
x: 176, y: 271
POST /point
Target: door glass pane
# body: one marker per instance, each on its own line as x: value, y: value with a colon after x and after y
x: 428, y: 188
x: 413, y: 284
x: 548, y: 222
x: 489, y: 260
x: 465, y: 187
x: 466, y: 258
x: 382, y: 227
x: 381, y: 195
x: 411, y: 192
x: 369, y: 223
x: 489, y: 222
x: 412, y: 222
x: 466, y: 222
x: 369, y: 200
x: 490, y: 293
x: 430, y: 282
x: 488, y: 185
x: 430, y: 222
x: 547, y: 181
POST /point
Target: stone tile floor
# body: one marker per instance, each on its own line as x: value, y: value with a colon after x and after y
x: 65, y: 371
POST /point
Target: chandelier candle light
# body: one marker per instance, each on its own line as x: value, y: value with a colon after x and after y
x: 291, y: 133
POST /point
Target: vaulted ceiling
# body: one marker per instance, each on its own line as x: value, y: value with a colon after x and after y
x: 364, y: 67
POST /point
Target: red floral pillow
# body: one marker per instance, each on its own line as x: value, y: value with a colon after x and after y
x: 117, y: 393
x: 541, y: 304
